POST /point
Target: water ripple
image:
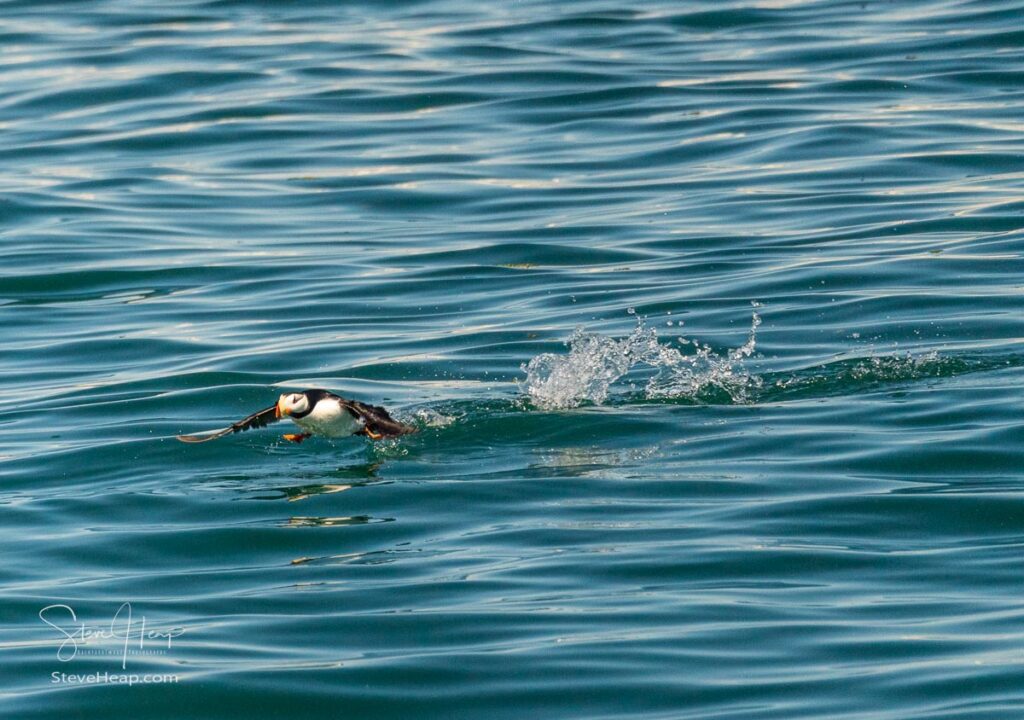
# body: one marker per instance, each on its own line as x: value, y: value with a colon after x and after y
x: 449, y: 209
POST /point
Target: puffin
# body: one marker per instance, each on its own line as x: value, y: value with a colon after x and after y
x: 317, y: 412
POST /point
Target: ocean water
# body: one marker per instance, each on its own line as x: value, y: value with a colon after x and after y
x: 709, y: 315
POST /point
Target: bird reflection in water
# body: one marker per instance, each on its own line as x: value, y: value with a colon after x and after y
x: 362, y: 474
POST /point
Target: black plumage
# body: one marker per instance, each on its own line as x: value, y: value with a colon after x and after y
x: 259, y: 419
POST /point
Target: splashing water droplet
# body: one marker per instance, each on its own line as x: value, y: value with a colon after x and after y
x: 433, y: 418
x: 595, y: 362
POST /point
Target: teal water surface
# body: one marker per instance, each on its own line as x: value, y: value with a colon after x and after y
x: 709, y: 315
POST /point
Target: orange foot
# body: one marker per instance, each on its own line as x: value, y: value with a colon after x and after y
x: 372, y: 435
x: 297, y: 438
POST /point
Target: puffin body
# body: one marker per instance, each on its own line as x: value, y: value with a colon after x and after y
x: 317, y: 412
x: 329, y: 416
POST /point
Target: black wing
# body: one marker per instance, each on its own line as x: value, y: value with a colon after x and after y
x: 378, y: 421
x: 256, y: 420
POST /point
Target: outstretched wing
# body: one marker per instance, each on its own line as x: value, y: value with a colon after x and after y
x: 256, y: 420
x: 377, y: 420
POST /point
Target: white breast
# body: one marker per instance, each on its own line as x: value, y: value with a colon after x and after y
x: 330, y: 420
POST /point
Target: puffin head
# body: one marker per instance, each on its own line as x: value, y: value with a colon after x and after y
x: 292, y: 404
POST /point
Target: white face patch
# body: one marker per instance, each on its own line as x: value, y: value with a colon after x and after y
x: 292, y: 403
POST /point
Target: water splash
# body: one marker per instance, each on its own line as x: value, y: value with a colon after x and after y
x: 433, y: 418
x: 595, y: 362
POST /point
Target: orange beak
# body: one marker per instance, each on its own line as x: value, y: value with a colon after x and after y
x: 278, y: 412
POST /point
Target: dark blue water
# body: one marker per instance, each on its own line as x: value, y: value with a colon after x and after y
x: 709, y: 315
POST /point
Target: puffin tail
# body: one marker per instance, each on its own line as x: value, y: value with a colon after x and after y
x: 391, y: 428
x: 380, y: 424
